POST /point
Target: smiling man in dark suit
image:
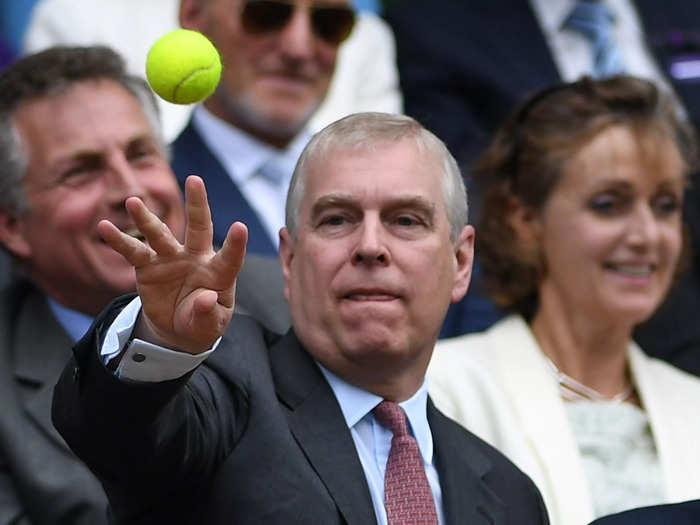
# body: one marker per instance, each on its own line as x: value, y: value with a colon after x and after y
x: 77, y: 137
x: 318, y: 426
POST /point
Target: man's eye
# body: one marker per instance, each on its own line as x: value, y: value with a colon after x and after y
x: 407, y: 220
x: 140, y: 153
x: 78, y: 174
x: 335, y: 220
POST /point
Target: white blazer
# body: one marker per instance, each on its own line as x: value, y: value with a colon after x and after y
x: 498, y: 385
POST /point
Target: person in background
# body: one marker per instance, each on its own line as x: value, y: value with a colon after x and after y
x: 581, y: 239
x: 508, y: 50
x: 329, y: 424
x: 365, y: 77
x: 77, y: 137
x: 245, y: 139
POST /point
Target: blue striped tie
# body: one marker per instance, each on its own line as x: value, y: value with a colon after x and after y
x: 594, y: 20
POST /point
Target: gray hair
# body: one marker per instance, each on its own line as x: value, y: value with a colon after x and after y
x: 48, y: 74
x: 367, y: 132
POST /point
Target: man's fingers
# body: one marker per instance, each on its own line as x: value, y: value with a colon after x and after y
x: 152, y: 228
x: 227, y: 262
x: 200, y: 320
x: 200, y: 231
x: 133, y: 250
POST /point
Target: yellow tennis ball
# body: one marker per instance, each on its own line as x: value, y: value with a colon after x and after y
x: 183, y: 66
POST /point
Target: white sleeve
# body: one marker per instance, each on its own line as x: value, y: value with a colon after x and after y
x: 143, y: 361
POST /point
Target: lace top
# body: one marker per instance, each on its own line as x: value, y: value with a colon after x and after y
x: 619, y: 455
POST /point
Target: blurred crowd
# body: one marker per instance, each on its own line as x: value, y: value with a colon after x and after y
x: 575, y: 351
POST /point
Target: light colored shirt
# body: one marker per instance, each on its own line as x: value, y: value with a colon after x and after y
x: 243, y: 156
x: 619, y: 455
x: 143, y: 361
x: 373, y: 440
x: 73, y: 322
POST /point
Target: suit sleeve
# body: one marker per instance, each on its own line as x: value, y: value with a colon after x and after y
x: 152, y: 445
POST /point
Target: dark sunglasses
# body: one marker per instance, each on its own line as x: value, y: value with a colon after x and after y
x: 332, y: 23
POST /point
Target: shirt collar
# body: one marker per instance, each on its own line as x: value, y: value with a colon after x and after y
x: 356, y: 404
x: 552, y: 13
x: 241, y: 153
x: 74, y: 322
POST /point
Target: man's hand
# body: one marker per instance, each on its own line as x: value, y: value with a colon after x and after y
x: 187, y: 291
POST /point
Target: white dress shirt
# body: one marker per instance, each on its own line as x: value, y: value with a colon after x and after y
x: 242, y: 156
x: 144, y: 361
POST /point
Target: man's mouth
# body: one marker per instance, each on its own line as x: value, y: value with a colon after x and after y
x: 370, y: 297
x: 370, y: 294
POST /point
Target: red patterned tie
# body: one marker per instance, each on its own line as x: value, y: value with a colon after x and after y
x: 407, y: 495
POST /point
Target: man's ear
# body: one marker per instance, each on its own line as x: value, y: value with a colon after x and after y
x: 192, y: 13
x: 286, y: 256
x: 464, y: 259
x: 12, y: 236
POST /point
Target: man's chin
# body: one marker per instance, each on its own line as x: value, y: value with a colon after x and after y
x: 274, y: 121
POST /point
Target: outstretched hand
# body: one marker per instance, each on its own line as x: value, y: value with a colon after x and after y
x: 187, y: 290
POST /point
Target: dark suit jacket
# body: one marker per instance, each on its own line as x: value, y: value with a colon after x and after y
x: 41, y: 481
x: 687, y: 513
x: 260, y: 292
x: 467, y: 64
x: 191, y: 156
x: 255, y: 435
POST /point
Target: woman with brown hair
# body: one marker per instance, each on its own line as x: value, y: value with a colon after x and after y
x: 580, y: 237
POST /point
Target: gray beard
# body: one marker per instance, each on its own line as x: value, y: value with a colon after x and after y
x: 242, y: 113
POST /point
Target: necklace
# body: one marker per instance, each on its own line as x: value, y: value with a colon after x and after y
x: 572, y: 390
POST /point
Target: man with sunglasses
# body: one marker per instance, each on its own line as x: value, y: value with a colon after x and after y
x: 279, y: 57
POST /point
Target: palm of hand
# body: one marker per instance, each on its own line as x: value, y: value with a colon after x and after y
x: 187, y: 290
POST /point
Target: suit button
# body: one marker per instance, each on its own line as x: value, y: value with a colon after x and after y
x: 76, y: 374
x: 139, y: 358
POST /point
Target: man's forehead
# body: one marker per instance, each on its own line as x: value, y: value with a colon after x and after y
x: 352, y: 178
x: 71, y: 110
x: 405, y: 199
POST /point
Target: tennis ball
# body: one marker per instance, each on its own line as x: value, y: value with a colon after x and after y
x: 183, y: 67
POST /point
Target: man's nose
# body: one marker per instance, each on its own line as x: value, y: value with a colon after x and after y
x: 371, y: 245
x: 297, y: 38
x: 123, y: 180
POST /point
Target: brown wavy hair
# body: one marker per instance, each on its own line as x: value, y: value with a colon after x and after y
x: 529, y: 153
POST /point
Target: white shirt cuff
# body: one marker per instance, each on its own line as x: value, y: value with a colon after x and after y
x: 142, y: 360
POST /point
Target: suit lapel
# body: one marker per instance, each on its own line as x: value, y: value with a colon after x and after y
x: 317, y: 424
x: 465, y: 497
x: 191, y: 156
x: 41, y: 349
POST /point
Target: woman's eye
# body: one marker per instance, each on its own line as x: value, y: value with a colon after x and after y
x: 667, y: 204
x: 605, y: 203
